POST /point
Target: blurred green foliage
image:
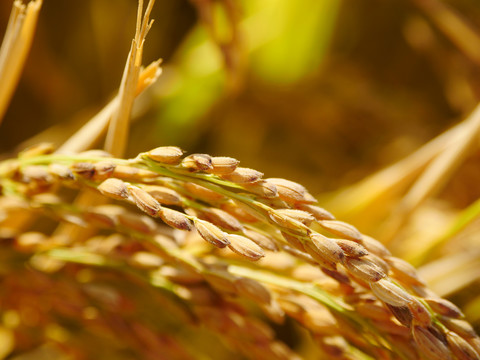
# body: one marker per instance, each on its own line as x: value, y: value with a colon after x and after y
x: 288, y: 40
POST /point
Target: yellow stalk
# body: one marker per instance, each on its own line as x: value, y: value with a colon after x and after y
x: 435, y: 176
x: 15, y: 47
x: 462, y: 35
x: 117, y: 135
x: 364, y: 197
x: 118, y: 110
x: 451, y: 273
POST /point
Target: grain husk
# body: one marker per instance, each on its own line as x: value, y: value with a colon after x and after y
x: 243, y: 175
x: 211, y: 233
x: 390, y: 293
x: 429, y: 344
x: 245, y: 247
x: 176, y: 219
x: 114, y: 188
x: 144, y: 200
x: 166, y: 154
x: 222, y: 165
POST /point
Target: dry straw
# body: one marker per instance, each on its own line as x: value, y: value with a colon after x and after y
x: 15, y: 47
x: 197, y: 242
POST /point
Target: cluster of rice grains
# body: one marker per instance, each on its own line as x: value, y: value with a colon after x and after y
x: 235, y: 244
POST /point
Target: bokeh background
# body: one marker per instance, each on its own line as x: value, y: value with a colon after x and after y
x: 320, y: 92
x: 324, y: 92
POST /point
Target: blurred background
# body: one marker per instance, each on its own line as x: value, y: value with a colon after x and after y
x: 323, y: 93
x: 320, y: 92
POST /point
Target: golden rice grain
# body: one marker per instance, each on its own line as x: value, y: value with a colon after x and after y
x: 352, y: 248
x: 335, y: 346
x: 100, y: 219
x: 163, y: 194
x: 318, y: 212
x: 144, y: 200
x: 243, y: 176
x: 402, y: 314
x: 364, y: 269
x: 263, y: 241
x: 429, y: 344
x: 389, y: 293
x: 420, y: 312
x: 375, y: 246
x: 341, y: 229
x: 320, y: 321
x: 211, y: 233
x: 61, y: 171
x: 318, y: 257
x: 114, y: 188
x: 377, y: 260
x: 327, y: 247
x: 262, y: 188
x: 298, y: 215
x: 294, y: 241
x: 373, y: 310
x: 391, y: 328
x: 444, y: 307
x: 36, y: 173
x: 222, y: 165
x: 83, y: 169
x: 461, y: 327
x: 136, y: 222
x: 166, y: 154
x: 103, y: 170
x: 240, y: 211
x: 287, y: 223
x: 291, y: 192
x: 461, y: 348
x: 197, y: 162
x: 176, y: 219
x: 95, y: 153
x: 222, y: 219
x: 245, y: 247
x: 474, y: 343
x: 403, y: 271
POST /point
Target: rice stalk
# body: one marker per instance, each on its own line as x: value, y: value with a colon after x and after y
x: 457, y: 29
x: 117, y: 135
x: 157, y: 247
x: 117, y: 112
x: 434, y: 176
x: 15, y: 47
x: 360, y: 267
x: 461, y: 221
x: 372, y: 195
